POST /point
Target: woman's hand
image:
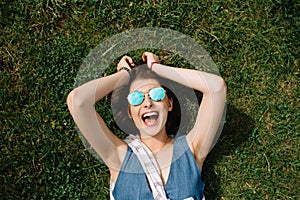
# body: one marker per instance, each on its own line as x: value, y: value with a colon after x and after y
x: 150, y: 58
x: 126, y: 62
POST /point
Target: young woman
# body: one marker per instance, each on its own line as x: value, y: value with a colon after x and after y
x: 148, y: 106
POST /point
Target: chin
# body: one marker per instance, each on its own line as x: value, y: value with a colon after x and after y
x: 151, y: 131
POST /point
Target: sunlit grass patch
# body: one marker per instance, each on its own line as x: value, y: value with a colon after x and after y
x: 255, y: 45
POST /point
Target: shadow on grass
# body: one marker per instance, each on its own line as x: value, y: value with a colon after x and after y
x: 236, y: 131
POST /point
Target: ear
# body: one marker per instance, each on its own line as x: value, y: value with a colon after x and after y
x: 170, y: 106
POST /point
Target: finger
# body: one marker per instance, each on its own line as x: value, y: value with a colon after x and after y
x: 132, y: 64
x: 144, y: 56
x: 130, y: 61
x: 125, y: 58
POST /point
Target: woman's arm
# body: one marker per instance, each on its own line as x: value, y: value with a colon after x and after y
x: 81, y: 105
x: 210, y: 113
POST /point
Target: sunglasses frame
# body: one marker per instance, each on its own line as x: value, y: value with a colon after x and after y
x: 148, y: 95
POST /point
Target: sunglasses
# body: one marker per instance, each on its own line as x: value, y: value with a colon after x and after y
x: 136, y: 98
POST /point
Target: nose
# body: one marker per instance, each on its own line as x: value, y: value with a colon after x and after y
x: 147, y: 102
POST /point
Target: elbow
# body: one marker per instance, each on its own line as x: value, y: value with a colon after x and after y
x: 70, y: 101
x: 215, y: 85
x: 211, y: 84
x: 221, y: 90
x: 220, y: 85
x: 74, y: 100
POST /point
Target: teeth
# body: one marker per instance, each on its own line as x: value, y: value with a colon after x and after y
x: 150, y: 114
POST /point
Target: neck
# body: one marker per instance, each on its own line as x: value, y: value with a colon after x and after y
x: 157, y: 142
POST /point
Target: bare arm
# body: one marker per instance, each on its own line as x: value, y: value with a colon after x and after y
x: 81, y: 105
x: 212, y: 106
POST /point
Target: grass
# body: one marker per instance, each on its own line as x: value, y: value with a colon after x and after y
x: 255, y: 45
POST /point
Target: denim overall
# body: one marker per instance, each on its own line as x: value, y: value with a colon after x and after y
x: 184, y: 179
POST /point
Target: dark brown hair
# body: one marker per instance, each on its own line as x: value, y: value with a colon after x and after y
x: 120, y: 105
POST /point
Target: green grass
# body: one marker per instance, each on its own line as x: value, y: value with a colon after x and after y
x: 254, y: 43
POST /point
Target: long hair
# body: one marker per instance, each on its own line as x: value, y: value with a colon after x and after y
x: 120, y: 105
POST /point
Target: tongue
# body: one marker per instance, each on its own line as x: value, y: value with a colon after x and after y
x: 150, y: 121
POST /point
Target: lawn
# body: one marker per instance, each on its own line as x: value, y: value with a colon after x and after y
x: 255, y: 45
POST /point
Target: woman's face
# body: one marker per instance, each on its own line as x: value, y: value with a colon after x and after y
x: 150, y: 116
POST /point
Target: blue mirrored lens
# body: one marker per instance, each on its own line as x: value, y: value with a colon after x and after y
x: 157, y: 94
x: 135, y: 98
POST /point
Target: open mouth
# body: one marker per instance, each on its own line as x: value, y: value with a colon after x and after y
x: 150, y: 118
